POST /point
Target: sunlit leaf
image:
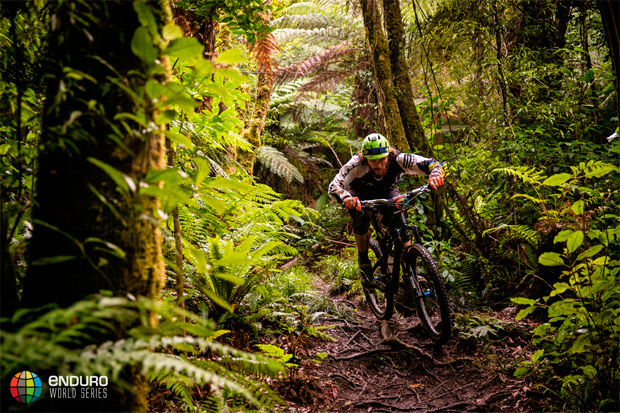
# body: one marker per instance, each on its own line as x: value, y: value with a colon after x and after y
x: 142, y: 46
x: 574, y: 241
x: 557, y: 179
x: 184, y: 48
x: 578, y: 207
x: 231, y: 56
x: 171, y: 31
x: 550, y: 259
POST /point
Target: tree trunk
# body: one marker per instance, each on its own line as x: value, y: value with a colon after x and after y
x: 610, y: 12
x: 262, y: 97
x: 263, y: 52
x: 204, y: 29
x: 88, y: 233
x: 402, y: 82
x: 378, y: 47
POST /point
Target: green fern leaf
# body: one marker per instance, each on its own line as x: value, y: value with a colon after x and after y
x: 276, y: 162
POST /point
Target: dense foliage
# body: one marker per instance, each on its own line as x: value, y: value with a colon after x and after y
x: 517, y: 98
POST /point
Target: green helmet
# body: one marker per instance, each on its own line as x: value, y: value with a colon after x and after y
x: 375, y: 146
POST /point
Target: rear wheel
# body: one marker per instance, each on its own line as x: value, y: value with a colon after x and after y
x: 426, y: 288
x: 380, y: 300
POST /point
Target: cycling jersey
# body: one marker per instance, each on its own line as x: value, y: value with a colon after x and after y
x: 355, y: 178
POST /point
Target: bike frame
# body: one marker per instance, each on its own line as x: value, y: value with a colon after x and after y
x: 391, y: 238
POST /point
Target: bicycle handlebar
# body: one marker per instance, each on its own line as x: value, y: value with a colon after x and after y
x: 409, y: 196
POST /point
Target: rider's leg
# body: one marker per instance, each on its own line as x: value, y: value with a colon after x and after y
x: 361, y: 231
x: 362, y: 241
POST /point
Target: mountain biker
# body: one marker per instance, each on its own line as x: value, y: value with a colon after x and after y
x: 372, y: 173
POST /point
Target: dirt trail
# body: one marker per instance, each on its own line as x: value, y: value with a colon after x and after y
x: 367, y: 372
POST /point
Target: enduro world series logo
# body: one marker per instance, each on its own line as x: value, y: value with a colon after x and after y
x: 27, y: 387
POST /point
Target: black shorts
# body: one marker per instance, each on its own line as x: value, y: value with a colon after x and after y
x: 361, y: 220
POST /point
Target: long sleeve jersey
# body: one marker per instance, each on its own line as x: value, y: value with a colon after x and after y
x: 355, y: 178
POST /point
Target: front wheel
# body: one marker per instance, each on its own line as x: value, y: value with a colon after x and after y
x: 426, y: 287
x: 380, y: 301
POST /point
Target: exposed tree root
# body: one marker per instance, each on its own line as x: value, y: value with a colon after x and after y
x: 397, y: 345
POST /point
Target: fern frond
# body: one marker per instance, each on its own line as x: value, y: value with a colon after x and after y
x: 521, y: 232
x: 302, y: 21
x: 325, y: 35
x: 276, y: 162
x: 531, y: 175
x: 326, y: 81
x: 314, y: 64
x: 264, y: 52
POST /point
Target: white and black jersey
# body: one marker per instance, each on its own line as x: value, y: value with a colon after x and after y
x: 355, y: 178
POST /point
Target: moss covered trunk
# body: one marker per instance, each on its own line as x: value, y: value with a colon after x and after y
x: 378, y: 47
x: 263, y: 51
x: 88, y: 234
x: 402, y: 82
x: 251, y: 133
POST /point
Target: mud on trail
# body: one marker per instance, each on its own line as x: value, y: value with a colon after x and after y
x: 376, y: 366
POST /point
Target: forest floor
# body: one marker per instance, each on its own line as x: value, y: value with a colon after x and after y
x: 375, y: 366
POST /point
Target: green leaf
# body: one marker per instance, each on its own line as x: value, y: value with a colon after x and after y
x: 217, y: 299
x: 524, y: 313
x: 523, y: 301
x: 172, y: 31
x: 184, y: 48
x: 175, y: 95
x: 550, y: 259
x: 231, y: 56
x: 601, y: 261
x: 54, y: 260
x: 146, y: 17
x: 600, y: 170
x: 559, y: 288
x: 234, y: 76
x: 196, y: 257
x: 537, y: 355
x: 229, y: 277
x: 589, y: 371
x: 590, y: 252
x: 112, y: 248
x: 578, y: 207
x: 562, y: 236
x: 166, y: 116
x: 557, y: 179
x: 124, y: 182
x: 203, y: 168
x: 142, y: 46
x: 574, y: 241
x: 579, y: 346
x: 179, y: 138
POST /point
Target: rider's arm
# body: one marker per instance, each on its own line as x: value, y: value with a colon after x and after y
x: 349, y: 171
x: 419, y: 165
x: 416, y: 165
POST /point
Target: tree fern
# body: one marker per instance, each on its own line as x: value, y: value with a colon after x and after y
x: 329, y: 35
x: 302, y: 21
x: 277, y: 163
x: 314, y: 64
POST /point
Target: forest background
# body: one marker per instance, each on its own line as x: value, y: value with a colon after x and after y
x: 164, y: 175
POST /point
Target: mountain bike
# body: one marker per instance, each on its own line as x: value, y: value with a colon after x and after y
x: 421, y: 286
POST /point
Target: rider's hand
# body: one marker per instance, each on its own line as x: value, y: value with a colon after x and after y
x: 435, y: 179
x: 352, y: 202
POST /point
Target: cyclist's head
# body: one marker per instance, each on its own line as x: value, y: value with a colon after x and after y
x: 375, y: 146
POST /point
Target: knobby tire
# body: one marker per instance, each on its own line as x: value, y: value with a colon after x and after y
x: 381, y: 303
x: 429, y: 293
